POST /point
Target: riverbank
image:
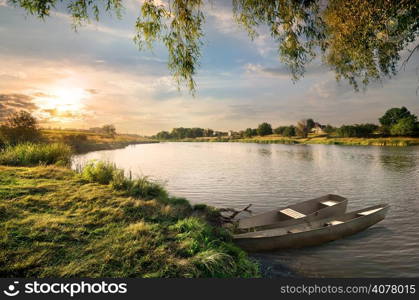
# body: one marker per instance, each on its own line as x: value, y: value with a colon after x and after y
x: 54, y: 223
x: 276, y: 139
x: 84, y: 141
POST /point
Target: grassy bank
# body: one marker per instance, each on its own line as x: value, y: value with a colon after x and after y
x: 55, y: 222
x: 387, y: 141
x: 85, y: 141
x: 275, y: 139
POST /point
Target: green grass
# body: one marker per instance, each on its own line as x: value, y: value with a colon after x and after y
x: 55, y: 223
x: 34, y: 154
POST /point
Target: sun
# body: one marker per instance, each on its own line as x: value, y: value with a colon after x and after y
x: 67, y: 99
x: 62, y: 99
x: 61, y: 104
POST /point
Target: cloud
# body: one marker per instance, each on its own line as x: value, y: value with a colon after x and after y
x: 282, y: 71
x: 92, y: 91
x: 10, y: 103
x: 96, y: 26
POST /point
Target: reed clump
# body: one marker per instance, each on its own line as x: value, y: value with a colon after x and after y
x: 30, y: 154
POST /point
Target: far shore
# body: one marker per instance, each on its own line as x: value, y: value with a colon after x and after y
x: 319, y: 139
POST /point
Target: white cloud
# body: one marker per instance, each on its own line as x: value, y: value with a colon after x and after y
x: 97, y: 26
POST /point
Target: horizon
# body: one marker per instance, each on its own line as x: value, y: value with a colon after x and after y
x: 96, y: 76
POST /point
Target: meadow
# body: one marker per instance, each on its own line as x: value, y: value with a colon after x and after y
x: 83, y: 141
x: 56, y: 222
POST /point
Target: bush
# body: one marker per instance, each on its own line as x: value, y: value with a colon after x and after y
x: 76, y: 141
x: 30, y: 154
x: 100, y: 172
x: 146, y: 189
x: 107, y: 173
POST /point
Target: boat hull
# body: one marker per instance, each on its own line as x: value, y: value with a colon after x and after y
x: 271, y: 219
x: 312, y: 237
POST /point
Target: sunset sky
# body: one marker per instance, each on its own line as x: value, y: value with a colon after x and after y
x: 97, y: 76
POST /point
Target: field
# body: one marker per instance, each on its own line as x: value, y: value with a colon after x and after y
x: 85, y: 141
x: 58, y: 223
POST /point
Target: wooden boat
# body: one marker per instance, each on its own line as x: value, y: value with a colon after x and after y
x: 312, y: 233
x: 310, y: 210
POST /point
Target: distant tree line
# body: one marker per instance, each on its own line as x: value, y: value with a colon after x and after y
x: 182, y: 133
x: 395, y: 122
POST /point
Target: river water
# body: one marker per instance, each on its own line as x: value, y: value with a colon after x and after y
x: 274, y: 175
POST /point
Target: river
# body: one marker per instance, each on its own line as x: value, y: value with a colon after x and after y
x: 275, y: 175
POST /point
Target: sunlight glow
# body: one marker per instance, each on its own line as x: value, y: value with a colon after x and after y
x: 62, y: 104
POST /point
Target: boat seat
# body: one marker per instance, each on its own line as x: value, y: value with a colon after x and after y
x: 292, y: 213
x: 329, y: 202
x: 368, y: 212
x: 334, y: 222
x: 294, y: 230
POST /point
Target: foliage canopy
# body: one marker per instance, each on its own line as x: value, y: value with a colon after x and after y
x: 360, y: 40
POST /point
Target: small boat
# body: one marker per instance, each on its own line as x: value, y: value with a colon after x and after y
x: 312, y: 233
x: 310, y: 210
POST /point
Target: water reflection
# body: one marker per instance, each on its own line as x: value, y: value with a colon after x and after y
x: 269, y: 176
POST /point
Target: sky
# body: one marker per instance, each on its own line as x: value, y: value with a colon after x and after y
x: 97, y: 76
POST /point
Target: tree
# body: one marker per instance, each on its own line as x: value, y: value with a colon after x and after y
x: 20, y: 127
x: 302, y: 128
x: 109, y: 129
x: 208, y: 132
x: 289, y: 131
x: 21, y: 119
x: 329, y: 129
x: 405, y: 127
x: 360, y: 40
x: 196, y: 132
x: 357, y: 130
x: 264, y: 129
x: 280, y: 130
x: 248, y: 132
x: 393, y: 115
x: 310, y: 124
x: 163, y: 135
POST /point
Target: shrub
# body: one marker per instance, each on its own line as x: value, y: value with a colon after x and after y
x: 100, y: 172
x: 146, y: 189
x: 30, y: 154
x: 107, y: 173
